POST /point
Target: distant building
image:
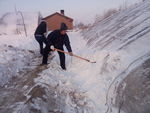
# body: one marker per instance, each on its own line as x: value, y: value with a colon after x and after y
x: 54, y: 21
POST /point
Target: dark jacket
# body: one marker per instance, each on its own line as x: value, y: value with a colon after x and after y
x: 58, y: 40
x: 41, y: 29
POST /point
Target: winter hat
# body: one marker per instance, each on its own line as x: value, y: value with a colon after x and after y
x: 63, y: 26
x: 43, y: 22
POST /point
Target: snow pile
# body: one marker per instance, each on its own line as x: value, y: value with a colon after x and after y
x: 13, y: 60
x: 22, y: 42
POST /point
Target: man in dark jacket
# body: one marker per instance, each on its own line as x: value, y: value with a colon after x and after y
x: 57, y: 39
x: 40, y: 35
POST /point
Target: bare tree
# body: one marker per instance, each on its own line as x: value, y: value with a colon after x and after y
x: 105, y: 15
x: 19, y: 12
x: 2, y: 22
x: 81, y: 25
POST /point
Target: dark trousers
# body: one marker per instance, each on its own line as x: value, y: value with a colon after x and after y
x: 41, y: 40
x: 61, y: 56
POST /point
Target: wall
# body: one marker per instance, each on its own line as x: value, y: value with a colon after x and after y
x: 54, y: 22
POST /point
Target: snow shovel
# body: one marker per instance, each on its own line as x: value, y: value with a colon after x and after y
x: 74, y: 55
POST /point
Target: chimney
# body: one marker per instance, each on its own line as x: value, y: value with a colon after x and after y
x: 62, y: 12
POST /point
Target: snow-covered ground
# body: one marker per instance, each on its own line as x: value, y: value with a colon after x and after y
x: 12, y: 61
x: 118, y: 44
x: 14, y: 48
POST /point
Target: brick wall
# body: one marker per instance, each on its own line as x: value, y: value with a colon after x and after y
x: 54, y: 22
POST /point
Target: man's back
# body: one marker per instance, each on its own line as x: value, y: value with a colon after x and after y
x: 41, y: 29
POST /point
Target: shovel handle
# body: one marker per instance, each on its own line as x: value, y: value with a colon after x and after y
x: 74, y: 55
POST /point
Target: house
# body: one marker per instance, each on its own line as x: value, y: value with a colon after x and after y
x: 54, y: 21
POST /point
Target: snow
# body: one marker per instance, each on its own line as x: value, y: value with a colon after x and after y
x: 118, y: 45
x: 13, y: 21
x: 14, y: 52
x: 21, y: 42
x: 13, y: 60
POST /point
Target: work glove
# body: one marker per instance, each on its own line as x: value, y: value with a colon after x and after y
x: 70, y: 53
x: 52, y: 48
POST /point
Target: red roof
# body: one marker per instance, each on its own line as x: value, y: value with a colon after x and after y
x: 58, y: 14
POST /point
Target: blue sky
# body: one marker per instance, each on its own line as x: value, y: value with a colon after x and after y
x: 81, y: 10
